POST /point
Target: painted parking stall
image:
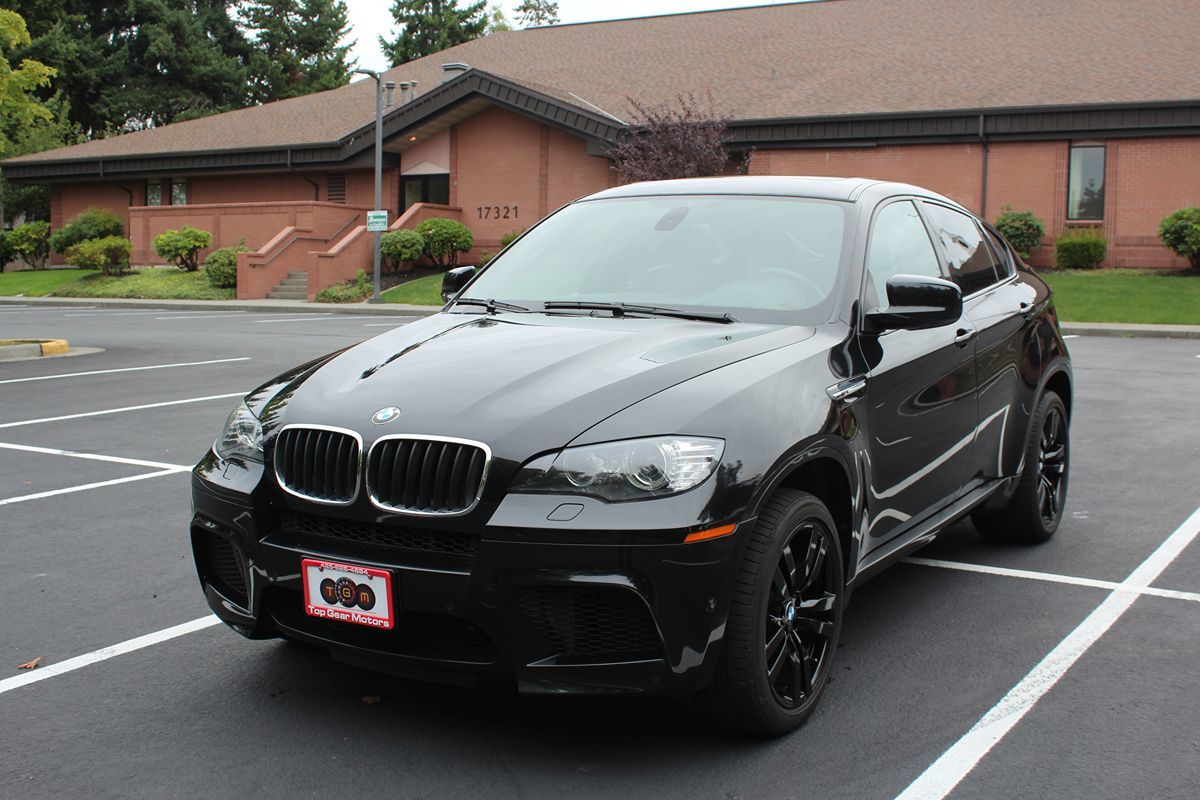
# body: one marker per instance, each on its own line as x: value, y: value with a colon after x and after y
x: 129, y: 649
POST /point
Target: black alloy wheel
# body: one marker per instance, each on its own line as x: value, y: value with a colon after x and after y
x: 801, y: 616
x: 1052, y: 466
x: 784, y: 619
x: 1035, y: 510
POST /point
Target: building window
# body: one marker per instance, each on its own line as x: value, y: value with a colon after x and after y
x: 154, y: 193
x: 179, y: 193
x: 425, y: 189
x: 1085, y: 183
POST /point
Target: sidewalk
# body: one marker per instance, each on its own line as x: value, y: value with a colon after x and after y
x: 258, y: 306
x: 398, y: 309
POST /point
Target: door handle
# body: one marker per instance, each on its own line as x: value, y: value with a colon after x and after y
x: 848, y: 390
x: 1026, y: 309
x: 964, y: 335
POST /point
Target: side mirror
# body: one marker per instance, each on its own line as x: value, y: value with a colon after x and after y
x: 454, y: 281
x: 916, y: 302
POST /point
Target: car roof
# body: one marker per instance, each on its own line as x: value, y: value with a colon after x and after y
x: 847, y: 190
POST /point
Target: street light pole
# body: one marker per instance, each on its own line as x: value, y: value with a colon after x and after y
x: 375, y: 298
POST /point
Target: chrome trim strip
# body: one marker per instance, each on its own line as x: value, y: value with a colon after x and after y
x: 358, y: 464
x: 375, y: 501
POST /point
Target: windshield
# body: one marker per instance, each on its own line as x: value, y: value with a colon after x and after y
x: 724, y: 253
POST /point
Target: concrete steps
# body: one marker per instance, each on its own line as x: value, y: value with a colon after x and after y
x: 293, y: 287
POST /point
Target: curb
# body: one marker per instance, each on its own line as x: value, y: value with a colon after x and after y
x: 33, y: 349
x: 256, y: 306
x: 1131, y: 331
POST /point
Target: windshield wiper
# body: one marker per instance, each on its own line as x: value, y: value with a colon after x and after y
x: 621, y: 309
x: 490, y: 305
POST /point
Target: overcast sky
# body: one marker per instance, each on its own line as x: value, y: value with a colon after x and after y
x: 369, y: 18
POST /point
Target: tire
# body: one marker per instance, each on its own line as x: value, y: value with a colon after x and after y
x: 1036, y: 507
x: 782, y: 629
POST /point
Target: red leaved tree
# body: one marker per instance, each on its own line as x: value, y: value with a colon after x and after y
x: 673, y: 141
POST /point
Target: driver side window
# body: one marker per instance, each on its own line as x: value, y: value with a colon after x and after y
x: 899, y: 245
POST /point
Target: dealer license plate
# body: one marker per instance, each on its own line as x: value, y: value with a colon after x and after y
x: 348, y: 593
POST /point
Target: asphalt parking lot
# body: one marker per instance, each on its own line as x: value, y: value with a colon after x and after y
x: 1077, y: 658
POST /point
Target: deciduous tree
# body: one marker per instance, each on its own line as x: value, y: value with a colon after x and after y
x: 683, y: 140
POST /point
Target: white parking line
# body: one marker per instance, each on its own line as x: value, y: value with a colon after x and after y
x: 85, y: 487
x: 120, y: 410
x: 305, y: 319
x: 115, y: 314
x: 127, y: 369
x: 50, y: 451
x: 203, y: 316
x: 956, y: 763
x: 105, y: 653
x: 1051, y: 577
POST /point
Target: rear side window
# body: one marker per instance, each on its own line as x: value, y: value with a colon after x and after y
x: 1004, y: 264
x: 969, y: 258
x: 899, y: 245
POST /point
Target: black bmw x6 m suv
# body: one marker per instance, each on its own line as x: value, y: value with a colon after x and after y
x: 650, y: 447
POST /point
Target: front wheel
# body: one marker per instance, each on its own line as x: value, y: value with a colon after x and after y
x: 784, y: 620
x: 1036, y: 508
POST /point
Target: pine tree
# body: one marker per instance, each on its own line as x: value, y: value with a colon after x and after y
x: 429, y: 26
x: 127, y: 64
x: 531, y: 13
x: 297, y: 46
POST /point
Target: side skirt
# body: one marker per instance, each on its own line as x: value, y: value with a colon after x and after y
x: 924, y: 533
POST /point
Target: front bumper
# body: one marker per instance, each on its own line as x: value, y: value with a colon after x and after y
x: 614, y: 615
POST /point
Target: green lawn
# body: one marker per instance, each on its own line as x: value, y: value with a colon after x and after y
x: 1126, y: 295
x: 37, y: 283
x: 425, y: 291
x: 148, y: 284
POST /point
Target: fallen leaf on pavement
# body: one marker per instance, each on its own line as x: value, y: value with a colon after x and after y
x: 30, y: 664
x: 371, y: 699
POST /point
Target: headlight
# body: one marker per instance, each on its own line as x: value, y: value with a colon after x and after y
x: 242, y: 437
x: 635, y: 469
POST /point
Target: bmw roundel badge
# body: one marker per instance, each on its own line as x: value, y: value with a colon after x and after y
x: 385, y: 415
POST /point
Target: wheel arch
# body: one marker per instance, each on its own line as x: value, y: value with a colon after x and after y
x: 1058, y: 380
x: 824, y: 471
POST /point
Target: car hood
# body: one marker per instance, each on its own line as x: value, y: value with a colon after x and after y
x: 522, y: 383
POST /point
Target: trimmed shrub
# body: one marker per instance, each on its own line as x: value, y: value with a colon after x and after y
x: 31, y: 242
x: 182, y: 247
x: 354, y: 291
x: 510, y: 237
x: 401, y: 248
x: 1022, y: 229
x: 1081, y: 249
x: 1181, y: 232
x: 110, y: 254
x: 92, y: 223
x: 221, y: 266
x: 445, y: 239
x: 6, y: 251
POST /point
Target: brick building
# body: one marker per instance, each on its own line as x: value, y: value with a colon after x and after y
x: 1086, y: 112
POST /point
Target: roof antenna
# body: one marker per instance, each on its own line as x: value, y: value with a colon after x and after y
x: 772, y: 72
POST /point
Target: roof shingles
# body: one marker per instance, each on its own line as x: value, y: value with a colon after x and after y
x: 833, y: 57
